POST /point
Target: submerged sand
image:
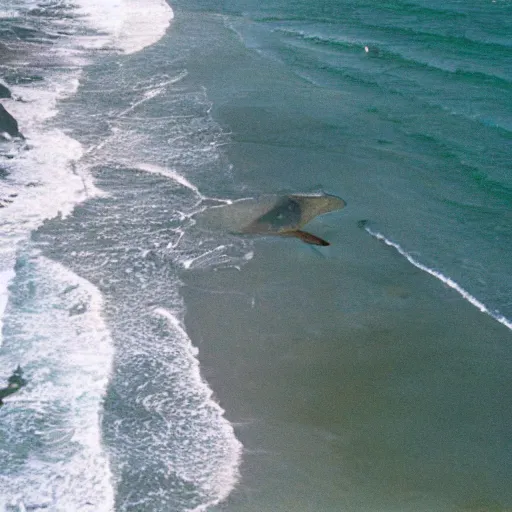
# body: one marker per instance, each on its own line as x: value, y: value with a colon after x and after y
x: 355, y: 385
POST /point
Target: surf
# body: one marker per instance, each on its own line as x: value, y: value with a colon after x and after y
x: 51, y: 319
x: 448, y: 281
x: 53, y: 454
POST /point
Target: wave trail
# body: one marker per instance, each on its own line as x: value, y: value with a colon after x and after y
x: 204, y: 201
x: 169, y: 173
x: 446, y: 280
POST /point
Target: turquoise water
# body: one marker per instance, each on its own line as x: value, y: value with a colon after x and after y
x: 176, y: 368
x: 364, y: 377
x: 416, y: 132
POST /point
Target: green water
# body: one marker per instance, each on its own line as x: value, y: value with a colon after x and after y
x: 355, y: 381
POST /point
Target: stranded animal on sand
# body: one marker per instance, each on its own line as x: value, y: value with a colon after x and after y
x: 274, y: 215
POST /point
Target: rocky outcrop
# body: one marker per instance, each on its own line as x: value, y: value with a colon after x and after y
x: 4, y: 91
x: 8, y: 124
x: 15, y: 383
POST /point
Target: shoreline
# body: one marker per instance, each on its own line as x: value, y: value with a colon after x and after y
x: 326, y: 386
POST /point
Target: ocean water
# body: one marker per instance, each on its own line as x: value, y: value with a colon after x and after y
x: 175, y: 368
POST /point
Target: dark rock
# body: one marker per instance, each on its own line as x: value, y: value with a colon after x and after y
x: 15, y: 383
x: 8, y: 124
x: 4, y: 92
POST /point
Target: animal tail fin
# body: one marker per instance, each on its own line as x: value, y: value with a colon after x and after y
x: 307, y: 237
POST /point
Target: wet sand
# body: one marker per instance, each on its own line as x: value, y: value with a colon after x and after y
x: 356, y: 382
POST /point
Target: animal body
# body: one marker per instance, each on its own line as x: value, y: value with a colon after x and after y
x: 275, y: 215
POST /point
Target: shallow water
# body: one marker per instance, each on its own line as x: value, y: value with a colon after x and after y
x: 206, y: 370
x: 363, y: 377
x: 354, y: 385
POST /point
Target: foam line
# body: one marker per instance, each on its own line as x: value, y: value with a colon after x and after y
x: 153, y: 93
x: 178, y: 178
x: 446, y: 280
x: 5, y: 278
x: 172, y: 320
x: 208, y: 255
x: 144, y: 24
x: 227, y: 475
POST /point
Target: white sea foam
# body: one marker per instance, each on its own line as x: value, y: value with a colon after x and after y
x: 6, y: 14
x: 5, y: 279
x: 216, y: 471
x: 60, y: 339
x: 45, y: 179
x: 169, y: 173
x: 152, y: 92
x: 144, y: 24
x: 215, y: 256
x: 446, y: 280
x: 57, y: 335
x: 179, y: 178
x: 66, y: 353
x: 127, y: 25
